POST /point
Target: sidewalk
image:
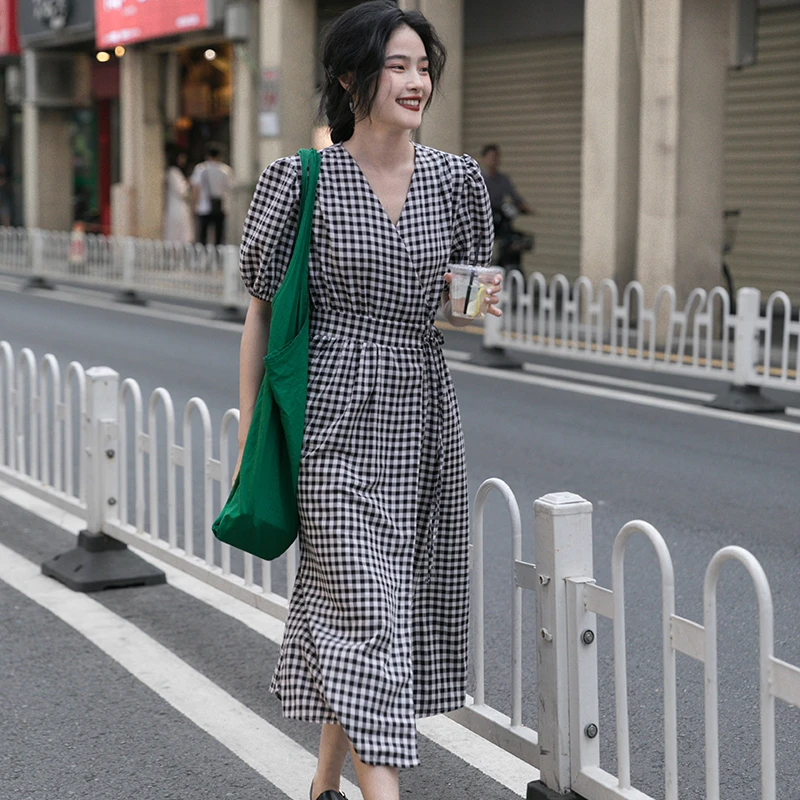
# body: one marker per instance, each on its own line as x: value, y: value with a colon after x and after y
x: 154, y: 693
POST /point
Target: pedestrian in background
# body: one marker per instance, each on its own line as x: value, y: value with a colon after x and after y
x: 211, y: 181
x: 501, y: 188
x: 178, y: 223
x: 377, y: 626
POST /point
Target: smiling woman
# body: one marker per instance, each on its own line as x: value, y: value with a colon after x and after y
x: 377, y: 627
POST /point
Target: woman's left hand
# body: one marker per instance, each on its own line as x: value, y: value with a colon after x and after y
x: 492, y: 297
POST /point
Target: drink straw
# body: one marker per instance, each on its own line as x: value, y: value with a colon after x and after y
x: 469, y: 291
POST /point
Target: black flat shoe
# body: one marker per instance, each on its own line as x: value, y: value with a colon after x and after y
x: 329, y: 794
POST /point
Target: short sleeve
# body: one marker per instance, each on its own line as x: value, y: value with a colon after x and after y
x: 270, y: 228
x: 473, y: 228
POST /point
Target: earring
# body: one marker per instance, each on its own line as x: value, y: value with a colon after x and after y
x: 352, y: 107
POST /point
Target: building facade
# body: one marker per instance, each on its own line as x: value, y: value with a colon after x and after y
x: 629, y: 125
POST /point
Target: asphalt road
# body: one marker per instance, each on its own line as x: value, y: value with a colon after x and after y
x: 703, y: 481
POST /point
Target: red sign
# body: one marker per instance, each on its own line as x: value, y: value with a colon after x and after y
x: 9, y: 45
x: 128, y: 21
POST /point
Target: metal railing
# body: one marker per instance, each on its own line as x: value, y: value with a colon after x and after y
x: 68, y: 440
x: 207, y: 273
x: 703, y: 339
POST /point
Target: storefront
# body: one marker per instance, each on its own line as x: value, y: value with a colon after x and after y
x: 762, y: 156
x: 195, y: 68
x: 523, y: 86
x: 71, y: 117
x: 523, y: 78
x: 177, y: 79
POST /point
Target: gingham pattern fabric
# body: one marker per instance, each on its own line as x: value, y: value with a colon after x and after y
x: 377, y: 627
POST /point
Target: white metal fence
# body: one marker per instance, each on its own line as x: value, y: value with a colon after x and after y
x: 68, y: 440
x: 704, y: 339
x: 207, y: 273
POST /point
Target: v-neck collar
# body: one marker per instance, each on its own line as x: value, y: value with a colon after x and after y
x: 411, y: 186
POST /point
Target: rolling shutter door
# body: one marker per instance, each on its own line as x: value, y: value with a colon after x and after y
x: 762, y: 158
x: 527, y: 97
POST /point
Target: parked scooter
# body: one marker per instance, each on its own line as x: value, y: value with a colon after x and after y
x: 509, y: 243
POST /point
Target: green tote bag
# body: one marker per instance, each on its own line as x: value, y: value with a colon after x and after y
x: 260, y: 515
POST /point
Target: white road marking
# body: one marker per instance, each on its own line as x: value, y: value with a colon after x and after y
x: 488, y: 758
x: 501, y: 766
x: 627, y: 397
x: 621, y: 383
x: 271, y: 753
x: 793, y: 412
x: 107, y: 304
x: 456, y: 355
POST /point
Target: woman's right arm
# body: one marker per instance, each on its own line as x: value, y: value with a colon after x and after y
x: 251, y: 364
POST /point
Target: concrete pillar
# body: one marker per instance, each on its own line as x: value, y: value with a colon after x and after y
x: 684, y: 61
x: 137, y: 202
x: 610, y: 153
x: 47, y: 177
x: 244, y: 150
x: 288, y: 44
x: 442, y: 125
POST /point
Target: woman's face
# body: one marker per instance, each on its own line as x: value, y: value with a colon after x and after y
x: 404, y: 85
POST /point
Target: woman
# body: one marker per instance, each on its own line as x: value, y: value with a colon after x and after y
x: 377, y: 628
x: 177, y: 214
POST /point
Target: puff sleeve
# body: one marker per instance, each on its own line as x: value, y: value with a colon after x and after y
x: 473, y: 228
x: 270, y: 228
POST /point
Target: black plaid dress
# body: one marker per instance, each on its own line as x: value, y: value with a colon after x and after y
x: 377, y: 628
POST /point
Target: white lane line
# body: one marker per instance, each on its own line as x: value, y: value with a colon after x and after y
x: 627, y: 397
x: 506, y: 769
x: 622, y: 383
x: 488, y: 758
x: 276, y: 757
x: 108, y: 304
x: 456, y: 355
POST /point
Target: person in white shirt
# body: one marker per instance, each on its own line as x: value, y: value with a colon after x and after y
x: 178, y: 222
x: 211, y: 181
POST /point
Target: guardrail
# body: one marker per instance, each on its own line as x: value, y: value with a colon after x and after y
x: 84, y: 444
x: 704, y: 339
x: 206, y: 273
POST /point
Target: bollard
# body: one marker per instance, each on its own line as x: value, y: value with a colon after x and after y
x: 231, y: 310
x: 126, y: 251
x: 36, y: 256
x: 744, y: 395
x: 563, y: 550
x: 99, y: 561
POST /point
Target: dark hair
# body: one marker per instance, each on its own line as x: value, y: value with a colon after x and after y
x: 213, y: 150
x: 490, y: 148
x: 173, y: 154
x: 354, y: 45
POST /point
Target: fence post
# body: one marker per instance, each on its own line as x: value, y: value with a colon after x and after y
x: 127, y: 253
x: 37, y: 279
x: 563, y: 536
x: 492, y: 352
x: 99, y: 561
x: 230, y: 310
x: 744, y: 394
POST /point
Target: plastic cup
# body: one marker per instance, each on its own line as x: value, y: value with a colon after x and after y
x: 468, y: 289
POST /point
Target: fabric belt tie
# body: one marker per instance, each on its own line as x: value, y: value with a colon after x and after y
x: 426, y: 338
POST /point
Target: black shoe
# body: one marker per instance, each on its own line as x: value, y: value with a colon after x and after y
x: 330, y: 794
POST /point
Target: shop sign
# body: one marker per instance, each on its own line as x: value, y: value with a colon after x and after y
x: 45, y: 22
x: 128, y: 21
x: 9, y: 46
x: 268, y: 119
